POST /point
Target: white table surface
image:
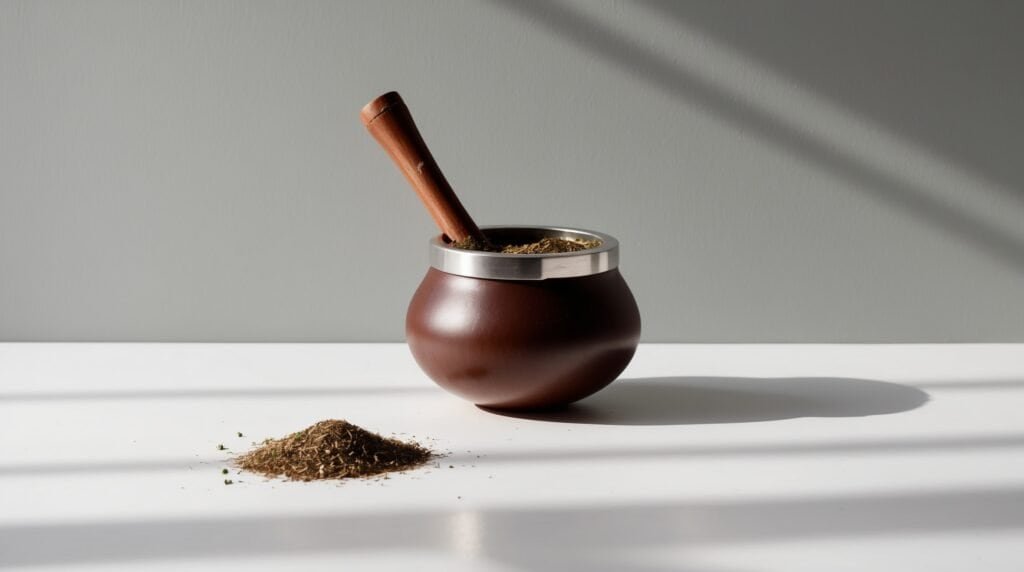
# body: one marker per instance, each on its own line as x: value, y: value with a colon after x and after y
x: 703, y: 457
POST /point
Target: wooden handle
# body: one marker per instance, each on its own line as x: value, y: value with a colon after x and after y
x: 389, y: 121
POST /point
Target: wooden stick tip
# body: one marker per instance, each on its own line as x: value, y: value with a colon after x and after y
x: 379, y: 105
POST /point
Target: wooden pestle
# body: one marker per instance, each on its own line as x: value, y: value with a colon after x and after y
x: 388, y: 119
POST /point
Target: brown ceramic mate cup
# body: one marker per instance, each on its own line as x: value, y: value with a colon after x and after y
x: 523, y: 331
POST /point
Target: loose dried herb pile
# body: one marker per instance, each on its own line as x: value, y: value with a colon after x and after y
x: 542, y: 246
x: 332, y: 449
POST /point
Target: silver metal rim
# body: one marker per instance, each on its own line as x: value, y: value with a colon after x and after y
x: 498, y: 266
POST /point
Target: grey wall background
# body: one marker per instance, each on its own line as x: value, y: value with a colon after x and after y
x: 776, y: 171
